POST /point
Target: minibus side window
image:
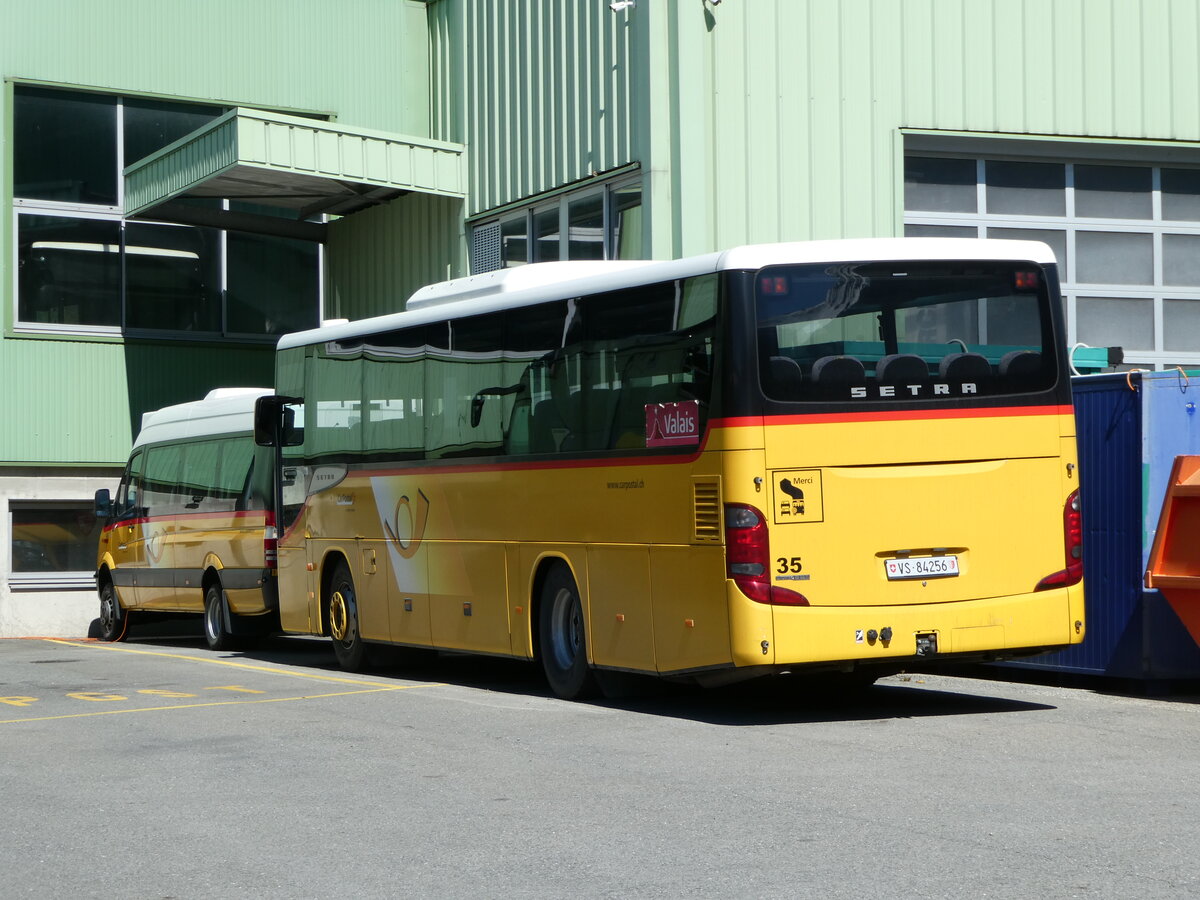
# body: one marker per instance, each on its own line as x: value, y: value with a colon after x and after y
x: 130, y: 491
x: 161, y: 496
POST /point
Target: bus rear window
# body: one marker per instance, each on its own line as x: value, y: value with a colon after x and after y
x: 903, y: 331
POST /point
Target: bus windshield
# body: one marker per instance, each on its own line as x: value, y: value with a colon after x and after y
x: 904, y: 331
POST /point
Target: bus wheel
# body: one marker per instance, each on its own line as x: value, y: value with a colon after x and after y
x: 113, y: 623
x: 562, y: 638
x: 348, y: 644
x: 216, y: 635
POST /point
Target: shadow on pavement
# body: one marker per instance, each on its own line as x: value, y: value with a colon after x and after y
x: 764, y: 701
x: 1173, y: 690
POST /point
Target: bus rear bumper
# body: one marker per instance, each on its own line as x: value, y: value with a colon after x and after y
x: 992, y: 628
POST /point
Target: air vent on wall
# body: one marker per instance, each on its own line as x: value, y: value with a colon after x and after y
x: 485, y: 249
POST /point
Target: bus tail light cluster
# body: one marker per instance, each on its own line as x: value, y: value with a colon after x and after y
x: 1073, y: 534
x: 271, y: 543
x: 748, y: 557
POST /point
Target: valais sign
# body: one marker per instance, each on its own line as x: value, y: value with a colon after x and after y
x: 672, y: 424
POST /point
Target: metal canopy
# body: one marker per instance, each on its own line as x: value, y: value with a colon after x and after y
x: 301, y: 167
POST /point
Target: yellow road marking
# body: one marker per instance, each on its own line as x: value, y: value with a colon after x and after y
x: 221, y: 662
x: 118, y: 712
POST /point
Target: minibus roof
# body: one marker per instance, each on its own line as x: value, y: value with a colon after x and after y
x: 222, y: 411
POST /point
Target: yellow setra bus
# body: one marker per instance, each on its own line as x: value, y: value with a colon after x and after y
x: 842, y: 455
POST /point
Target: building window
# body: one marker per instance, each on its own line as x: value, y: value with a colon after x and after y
x: 84, y: 268
x: 65, y: 147
x: 53, y: 545
x: 592, y: 223
x: 1126, y: 235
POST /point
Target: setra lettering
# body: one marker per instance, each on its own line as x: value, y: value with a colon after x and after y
x: 940, y: 389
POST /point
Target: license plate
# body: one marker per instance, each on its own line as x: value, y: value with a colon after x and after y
x: 921, y: 567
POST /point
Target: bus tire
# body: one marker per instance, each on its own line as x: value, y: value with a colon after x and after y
x: 348, y: 645
x: 113, y: 624
x: 562, y: 637
x: 216, y: 634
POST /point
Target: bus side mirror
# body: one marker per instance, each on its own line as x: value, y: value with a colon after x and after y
x: 103, y: 504
x: 274, y: 422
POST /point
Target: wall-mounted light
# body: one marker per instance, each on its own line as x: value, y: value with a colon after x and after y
x: 618, y: 5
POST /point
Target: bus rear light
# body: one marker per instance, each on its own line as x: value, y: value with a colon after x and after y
x: 1025, y: 280
x: 1073, y: 536
x: 774, y: 284
x: 748, y: 557
x: 271, y: 545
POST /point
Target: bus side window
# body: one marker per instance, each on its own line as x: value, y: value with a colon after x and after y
x: 227, y: 480
x: 244, y: 498
x: 162, y: 495
x: 129, y: 493
x: 518, y: 437
x: 198, y: 478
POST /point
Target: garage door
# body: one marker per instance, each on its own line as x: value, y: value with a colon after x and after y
x: 1127, y: 237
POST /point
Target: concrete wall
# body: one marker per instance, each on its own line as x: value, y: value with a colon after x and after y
x: 38, y: 612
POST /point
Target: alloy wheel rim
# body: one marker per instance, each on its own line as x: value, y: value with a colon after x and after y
x: 211, y: 612
x: 341, y: 618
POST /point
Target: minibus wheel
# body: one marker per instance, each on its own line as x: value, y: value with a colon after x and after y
x: 562, y: 637
x: 112, y: 620
x: 216, y: 635
x: 348, y: 644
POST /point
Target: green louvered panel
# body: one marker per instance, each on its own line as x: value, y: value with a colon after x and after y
x: 186, y: 163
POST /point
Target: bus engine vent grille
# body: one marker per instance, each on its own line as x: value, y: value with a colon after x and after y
x: 706, y: 500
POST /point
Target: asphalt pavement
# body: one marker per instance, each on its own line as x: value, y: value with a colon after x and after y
x: 158, y: 769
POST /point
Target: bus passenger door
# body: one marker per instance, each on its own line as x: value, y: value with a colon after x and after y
x: 125, y: 543
x: 162, y: 502
x: 297, y: 600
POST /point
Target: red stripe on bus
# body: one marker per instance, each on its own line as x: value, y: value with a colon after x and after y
x: 995, y: 412
x: 733, y: 422
x: 608, y: 462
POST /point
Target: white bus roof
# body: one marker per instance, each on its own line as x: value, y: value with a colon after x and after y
x: 222, y: 411
x: 536, y: 283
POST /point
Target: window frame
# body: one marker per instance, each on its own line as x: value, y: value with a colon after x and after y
x: 64, y: 580
x: 561, y: 201
x: 15, y: 326
x: 1156, y: 294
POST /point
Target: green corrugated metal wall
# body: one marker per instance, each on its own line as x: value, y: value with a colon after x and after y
x: 541, y: 90
x: 788, y: 113
x: 365, y: 61
x: 754, y: 120
x: 768, y: 120
x: 68, y: 401
x: 378, y: 257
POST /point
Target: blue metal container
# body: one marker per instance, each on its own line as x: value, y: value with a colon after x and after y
x: 1130, y: 429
